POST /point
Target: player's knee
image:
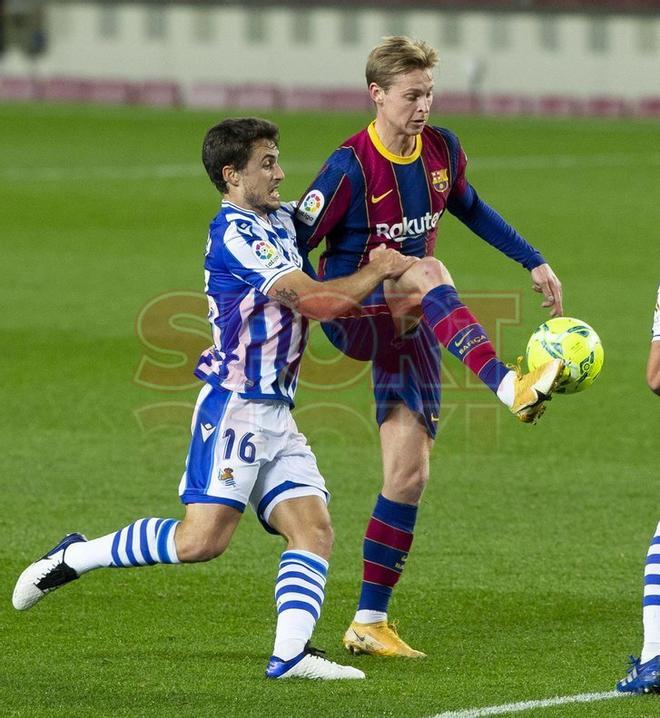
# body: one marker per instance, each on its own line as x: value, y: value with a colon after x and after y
x: 436, y: 272
x: 317, y: 536
x: 428, y: 273
x: 322, y: 536
x: 325, y: 538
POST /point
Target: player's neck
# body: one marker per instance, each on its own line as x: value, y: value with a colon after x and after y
x: 242, y: 203
x: 395, y: 142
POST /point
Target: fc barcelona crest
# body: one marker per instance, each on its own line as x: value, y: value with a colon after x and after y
x: 439, y: 180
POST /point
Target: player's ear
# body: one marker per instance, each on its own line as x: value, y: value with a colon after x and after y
x: 376, y: 93
x: 230, y: 175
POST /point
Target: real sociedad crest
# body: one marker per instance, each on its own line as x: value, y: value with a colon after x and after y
x: 227, y: 477
x: 440, y: 180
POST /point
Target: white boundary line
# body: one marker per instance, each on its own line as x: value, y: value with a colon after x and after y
x: 528, y: 705
x: 176, y: 171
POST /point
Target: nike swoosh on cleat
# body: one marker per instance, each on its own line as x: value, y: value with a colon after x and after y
x: 367, y: 641
x: 376, y: 200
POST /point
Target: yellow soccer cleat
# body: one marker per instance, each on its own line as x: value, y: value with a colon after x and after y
x: 377, y: 639
x: 533, y: 389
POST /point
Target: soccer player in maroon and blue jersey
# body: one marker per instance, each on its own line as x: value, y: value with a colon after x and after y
x: 391, y: 184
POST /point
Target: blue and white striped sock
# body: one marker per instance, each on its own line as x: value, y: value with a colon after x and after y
x: 299, y: 594
x: 651, y: 603
x: 145, y: 542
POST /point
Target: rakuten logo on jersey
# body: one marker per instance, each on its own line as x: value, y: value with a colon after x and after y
x: 409, y: 227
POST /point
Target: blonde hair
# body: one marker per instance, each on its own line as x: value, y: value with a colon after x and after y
x: 395, y: 55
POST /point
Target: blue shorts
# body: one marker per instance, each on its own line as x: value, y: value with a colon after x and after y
x: 405, y: 369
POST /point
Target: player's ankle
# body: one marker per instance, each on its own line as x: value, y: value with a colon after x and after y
x: 506, y: 391
x: 366, y: 616
x: 649, y: 651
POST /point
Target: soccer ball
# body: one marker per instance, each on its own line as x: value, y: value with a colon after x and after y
x: 576, y: 344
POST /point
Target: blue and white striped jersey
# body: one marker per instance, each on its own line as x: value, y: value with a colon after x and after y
x: 257, y: 342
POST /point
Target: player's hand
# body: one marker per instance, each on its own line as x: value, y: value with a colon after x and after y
x: 390, y: 263
x: 545, y: 281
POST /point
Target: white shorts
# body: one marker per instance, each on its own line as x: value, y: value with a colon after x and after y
x: 245, y: 451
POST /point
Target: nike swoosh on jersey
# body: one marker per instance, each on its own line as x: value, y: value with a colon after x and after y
x: 376, y: 200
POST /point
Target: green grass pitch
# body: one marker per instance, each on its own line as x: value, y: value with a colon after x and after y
x: 525, y: 577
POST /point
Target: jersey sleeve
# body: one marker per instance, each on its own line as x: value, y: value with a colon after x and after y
x: 290, y: 207
x: 253, y: 259
x: 457, y: 163
x: 466, y: 205
x: 324, y: 204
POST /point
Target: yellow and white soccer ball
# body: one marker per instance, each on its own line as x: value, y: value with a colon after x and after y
x: 576, y: 344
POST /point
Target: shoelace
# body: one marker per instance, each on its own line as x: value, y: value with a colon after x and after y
x: 310, y: 650
x: 394, y: 627
x: 49, y: 571
x: 517, y: 367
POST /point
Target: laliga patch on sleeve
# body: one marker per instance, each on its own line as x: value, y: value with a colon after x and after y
x: 266, y: 253
x: 310, y: 207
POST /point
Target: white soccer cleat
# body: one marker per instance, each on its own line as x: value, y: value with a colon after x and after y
x: 45, y: 575
x: 311, y: 664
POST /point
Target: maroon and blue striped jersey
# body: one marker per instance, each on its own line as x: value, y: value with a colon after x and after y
x: 365, y: 195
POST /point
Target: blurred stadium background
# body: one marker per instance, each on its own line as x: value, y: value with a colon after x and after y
x: 596, y: 57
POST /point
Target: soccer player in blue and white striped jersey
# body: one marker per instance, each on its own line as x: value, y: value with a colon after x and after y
x: 245, y: 446
x: 644, y: 673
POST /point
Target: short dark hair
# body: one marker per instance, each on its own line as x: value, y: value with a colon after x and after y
x: 230, y: 143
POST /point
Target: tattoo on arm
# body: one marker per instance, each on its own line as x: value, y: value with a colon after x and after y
x: 288, y: 297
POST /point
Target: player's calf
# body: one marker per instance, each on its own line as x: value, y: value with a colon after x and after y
x: 205, y: 532
x: 144, y: 542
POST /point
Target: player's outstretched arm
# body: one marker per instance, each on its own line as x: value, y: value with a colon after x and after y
x: 326, y: 300
x: 465, y: 204
x: 546, y: 282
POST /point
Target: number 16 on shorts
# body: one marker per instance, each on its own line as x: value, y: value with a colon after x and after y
x: 233, y: 439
